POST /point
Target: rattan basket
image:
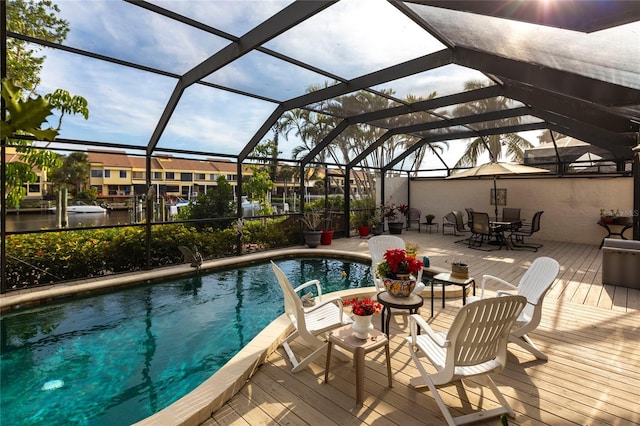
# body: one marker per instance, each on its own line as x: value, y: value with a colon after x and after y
x: 460, y: 271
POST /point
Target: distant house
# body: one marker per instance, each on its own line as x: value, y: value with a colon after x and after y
x: 116, y: 174
x: 575, y: 156
x: 35, y: 190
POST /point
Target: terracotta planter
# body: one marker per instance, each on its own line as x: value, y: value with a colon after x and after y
x: 326, y: 237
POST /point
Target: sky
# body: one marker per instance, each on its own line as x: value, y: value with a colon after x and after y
x: 349, y: 39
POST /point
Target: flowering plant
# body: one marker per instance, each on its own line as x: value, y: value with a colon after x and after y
x: 392, y: 213
x: 363, y: 307
x: 397, y: 262
x: 412, y: 249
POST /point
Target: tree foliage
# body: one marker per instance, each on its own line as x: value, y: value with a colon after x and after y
x: 217, y: 202
x: 26, y: 111
x: 311, y: 127
x: 546, y: 136
x: 36, y: 19
x: 73, y: 172
x: 508, y: 146
x: 267, y: 153
x: 24, y: 116
x: 258, y: 187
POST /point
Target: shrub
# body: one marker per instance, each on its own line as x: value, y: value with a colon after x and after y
x: 40, y: 259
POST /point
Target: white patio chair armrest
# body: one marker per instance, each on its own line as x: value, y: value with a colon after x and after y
x: 308, y: 284
x: 418, y: 321
x: 505, y: 293
x: 336, y: 300
x: 486, y: 278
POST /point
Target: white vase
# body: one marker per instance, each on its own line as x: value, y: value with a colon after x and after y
x: 362, y: 326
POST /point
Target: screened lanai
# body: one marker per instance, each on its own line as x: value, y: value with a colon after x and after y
x: 214, y: 79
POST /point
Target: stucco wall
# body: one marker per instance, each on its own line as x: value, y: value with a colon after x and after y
x: 571, y: 205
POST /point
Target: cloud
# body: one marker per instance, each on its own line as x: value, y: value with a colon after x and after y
x: 124, y: 104
x: 353, y: 37
x: 349, y: 38
x: 199, y: 122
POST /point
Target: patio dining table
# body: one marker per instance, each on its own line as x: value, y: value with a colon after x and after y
x: 499, y: 227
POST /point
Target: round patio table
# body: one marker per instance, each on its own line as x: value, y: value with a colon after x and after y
x: 411, y: 303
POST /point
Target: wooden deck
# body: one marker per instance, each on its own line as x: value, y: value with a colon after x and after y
x: 590, y: 332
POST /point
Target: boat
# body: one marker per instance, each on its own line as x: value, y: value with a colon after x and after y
x: 181, y: 202
x: 81, y: 207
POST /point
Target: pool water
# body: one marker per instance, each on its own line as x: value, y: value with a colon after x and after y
x: 117, y: 358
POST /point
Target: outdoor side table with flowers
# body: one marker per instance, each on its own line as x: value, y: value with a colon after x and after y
x: 363, y: 311
x: 396, y: 272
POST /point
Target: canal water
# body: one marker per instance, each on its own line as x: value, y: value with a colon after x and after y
x: 47, y: 220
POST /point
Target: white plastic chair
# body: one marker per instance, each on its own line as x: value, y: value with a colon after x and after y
x: 312, y: 323
x: 474, y: 347
x: 533, y: 285
x: 377, y: 246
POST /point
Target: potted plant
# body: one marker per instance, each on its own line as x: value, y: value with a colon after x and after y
x: 377, y: 221
x: 327, y: 233
x: 412, y: 249
x: 395, y: 271
x: 394, y: 218
x: 363, y: 222
x: 608, y: 216
x: 312, y: 233
x: 404, y: 210
x: 429, y: 218
x: 363, y: 311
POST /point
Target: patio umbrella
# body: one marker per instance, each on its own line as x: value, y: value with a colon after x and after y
x: 495, y: 169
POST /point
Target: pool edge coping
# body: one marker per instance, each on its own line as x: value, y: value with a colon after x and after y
x: 31, y: 297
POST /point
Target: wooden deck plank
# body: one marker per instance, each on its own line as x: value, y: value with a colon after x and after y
x: 590, y: 333
x: 633, y: 299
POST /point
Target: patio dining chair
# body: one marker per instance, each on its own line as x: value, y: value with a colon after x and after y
x: 311, y: 323
x: 469, y: 210
x: 481, y: 231
x: 533, y: 285
x: 517, y: 236
x: 377, y: 246
x: 449, y: 221
x: 460, y: 228
x: 414, y: 215
x: 474, y: 347
x: 510, y: 214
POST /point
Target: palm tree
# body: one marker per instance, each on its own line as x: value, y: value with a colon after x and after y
x: 311, y: 127
x: 508, y: 146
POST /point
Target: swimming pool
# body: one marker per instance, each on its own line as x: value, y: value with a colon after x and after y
x: 117, y: 358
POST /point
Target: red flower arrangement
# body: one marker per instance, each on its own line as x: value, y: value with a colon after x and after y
x: 363, y: 307
x: 397, y: 262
